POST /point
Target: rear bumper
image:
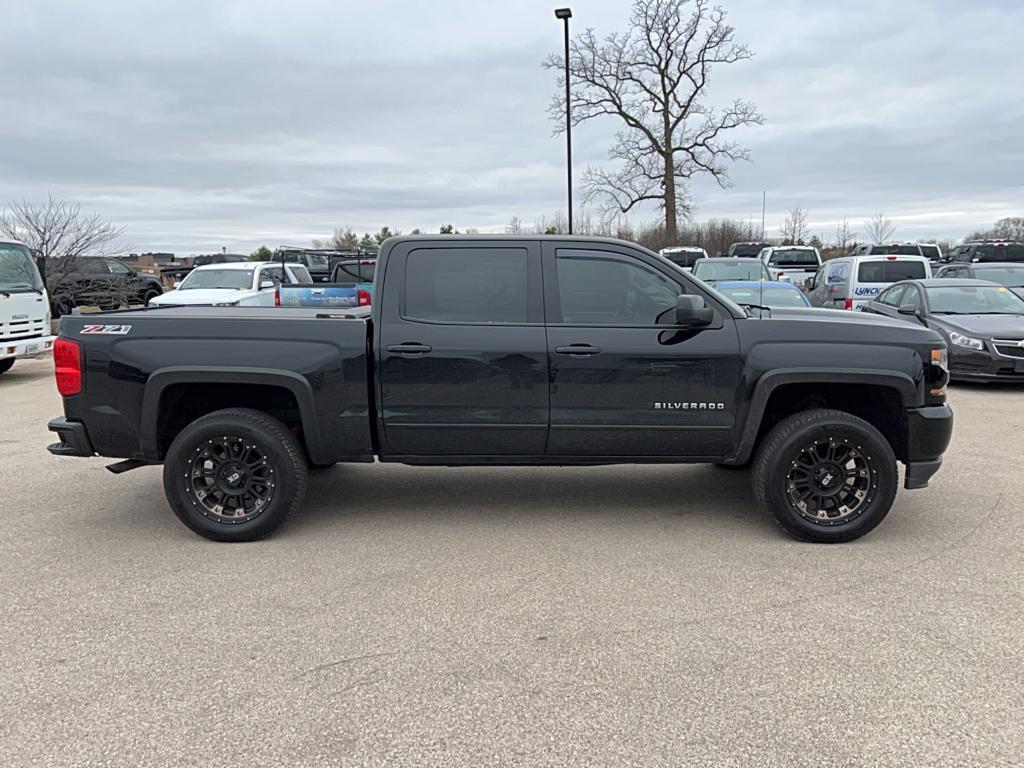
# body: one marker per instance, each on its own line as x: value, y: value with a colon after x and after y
x: 74, y: 440
x: 929, y: 431
x: 34, y: 347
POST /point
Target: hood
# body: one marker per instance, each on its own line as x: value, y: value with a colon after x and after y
x: 984, y: 326
x: 198, y: 296
x: 844, y: 316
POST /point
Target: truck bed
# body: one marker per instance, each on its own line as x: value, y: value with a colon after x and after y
x: 143, y: 364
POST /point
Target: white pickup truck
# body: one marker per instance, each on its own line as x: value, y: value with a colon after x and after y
x: 24, y: 306
x: 795, y: 264
x: 245, y: 283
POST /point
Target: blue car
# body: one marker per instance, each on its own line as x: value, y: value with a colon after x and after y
x: 774, y: 293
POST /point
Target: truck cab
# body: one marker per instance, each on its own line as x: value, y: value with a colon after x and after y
x: 24, y: 306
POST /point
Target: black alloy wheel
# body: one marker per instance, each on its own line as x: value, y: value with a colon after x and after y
x: 235, y: 474
x: 825, y: 475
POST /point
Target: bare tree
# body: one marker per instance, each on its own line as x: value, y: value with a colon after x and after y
x: 878, y: 228
x: 845, y: 237
x: 341, y: 240
x: 514, y: 226
x: 1010, y: 228
x: 654, y: 78
x: 64, y: 237
x: 794, y: 228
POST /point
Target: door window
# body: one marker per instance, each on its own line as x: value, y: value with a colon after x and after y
x: 912, y: 297
x: 117, y: 268
x: 891, y: 298
x: 466, y: 285
x: 597, y: 289
x: 274, y: 274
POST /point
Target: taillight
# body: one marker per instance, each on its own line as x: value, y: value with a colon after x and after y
x: 67, y: 366
x: 363, y: 298
x: 848, y: 304
x: 277, y: 297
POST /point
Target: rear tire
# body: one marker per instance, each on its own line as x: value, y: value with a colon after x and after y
x: 235, y: 475
x: 826, y: 476
x: 5, y: 365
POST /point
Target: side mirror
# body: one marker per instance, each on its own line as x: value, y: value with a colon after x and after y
x: 907, y: 309
x: 264, y: 284
x: 691, y: 311
x: 176, y: 284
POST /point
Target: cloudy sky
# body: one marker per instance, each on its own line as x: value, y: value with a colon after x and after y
x: 198, y: 125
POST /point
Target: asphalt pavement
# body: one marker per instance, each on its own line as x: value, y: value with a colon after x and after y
x: 637, y: 615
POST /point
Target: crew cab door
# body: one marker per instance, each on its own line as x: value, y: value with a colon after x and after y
x: 462, y: 350
x: 625, y: 380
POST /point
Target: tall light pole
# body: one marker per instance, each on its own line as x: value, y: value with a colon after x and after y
x: 565, y: 14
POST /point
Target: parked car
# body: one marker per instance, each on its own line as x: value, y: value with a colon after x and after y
x: 982, y: 321
x: 1008, y: 273
x: 849, y: 282
x: 774, y: 294
x: 205, y: 259
x: 99, y: 282
x: 350, y: 285
x: 683, y: 256
x: 932, y: 252
x: 317, y: 261
x: 747, y: 249
x: 243, y: 283
x: 24, y: 306
x: 510, y: 350
x: 887, y: 249
x: 986, y: 250
x: 725, y: 268
x: 795, y: 264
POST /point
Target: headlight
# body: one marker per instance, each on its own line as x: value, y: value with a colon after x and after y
x: 226, y: 303
x: 966, y: 341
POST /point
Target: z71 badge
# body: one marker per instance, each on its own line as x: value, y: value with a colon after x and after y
x: 107, y: 330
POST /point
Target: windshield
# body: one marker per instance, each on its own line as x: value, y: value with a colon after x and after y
x: 974, y: 300
x: 1011, y: 276
x: 730, y: 269
x: 319, y: 260
x: 896, y: 250
x: 793, y: 257
x: 1013, y: 252
x: 18, y: 273
x: 232, y: 279
x: 890, y: 271
x: 682, y: 257
x: 745, y: 249
x: 769, y: 296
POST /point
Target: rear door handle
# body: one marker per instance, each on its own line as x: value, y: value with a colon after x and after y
x: 409, y: 349
x: 578, y: 349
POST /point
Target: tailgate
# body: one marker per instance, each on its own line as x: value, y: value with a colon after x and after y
x: 320, y: 295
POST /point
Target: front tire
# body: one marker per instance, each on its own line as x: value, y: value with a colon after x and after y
x: 826, y: 476
x: 235, y: 475
x: 5, y: 365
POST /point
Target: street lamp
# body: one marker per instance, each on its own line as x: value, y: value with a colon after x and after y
x: 565, y: 14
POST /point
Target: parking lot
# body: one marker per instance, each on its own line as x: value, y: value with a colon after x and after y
x: 638, y: 615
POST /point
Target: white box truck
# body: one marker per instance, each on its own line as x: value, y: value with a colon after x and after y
x: 24, y: 306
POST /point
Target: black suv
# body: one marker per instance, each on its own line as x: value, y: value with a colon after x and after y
x: 986, y: 250
x: 100, y: 282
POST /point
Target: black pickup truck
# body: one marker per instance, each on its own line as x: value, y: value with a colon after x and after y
x: 509, y: 350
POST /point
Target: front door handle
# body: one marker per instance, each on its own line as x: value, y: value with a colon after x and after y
x: 409, y: 349
x: 578, y: 349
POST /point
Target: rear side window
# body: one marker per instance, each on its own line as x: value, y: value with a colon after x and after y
x: 890, y: 271
x: 467, y: 285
